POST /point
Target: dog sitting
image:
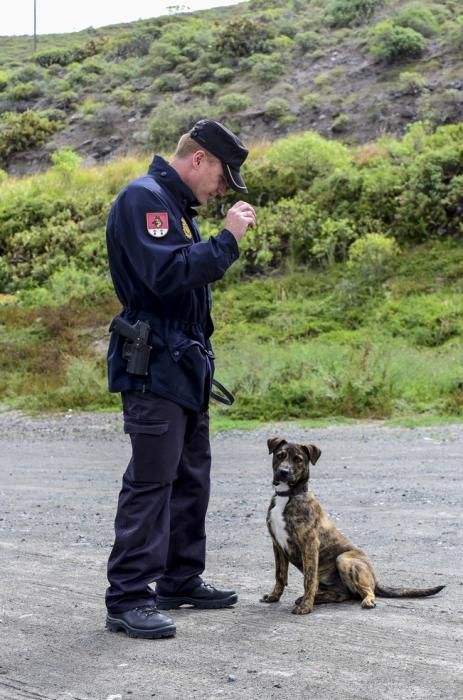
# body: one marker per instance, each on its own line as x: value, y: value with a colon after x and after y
x: 334, y: 569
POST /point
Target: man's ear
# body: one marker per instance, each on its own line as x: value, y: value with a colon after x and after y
x: 198, y: 157
x: 312, y: 451
x: 274, y: 443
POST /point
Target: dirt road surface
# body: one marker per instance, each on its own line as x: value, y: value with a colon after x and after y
x: 396, y: 492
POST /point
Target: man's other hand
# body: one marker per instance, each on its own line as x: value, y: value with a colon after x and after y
x: 239, y: 217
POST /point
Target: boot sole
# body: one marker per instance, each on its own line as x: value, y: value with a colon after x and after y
x: 117, y: 626
x: 174, y: 603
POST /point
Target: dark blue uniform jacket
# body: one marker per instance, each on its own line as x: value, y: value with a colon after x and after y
x: 163, y: 277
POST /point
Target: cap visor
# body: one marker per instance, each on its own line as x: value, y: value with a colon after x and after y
x: 234, y: 179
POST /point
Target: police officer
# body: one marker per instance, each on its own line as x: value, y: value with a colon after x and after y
x: 161, y: 269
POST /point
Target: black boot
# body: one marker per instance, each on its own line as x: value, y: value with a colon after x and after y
x: 145, y: 621
x: 203, y: 596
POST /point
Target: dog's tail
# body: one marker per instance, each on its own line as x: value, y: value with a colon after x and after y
x: 388, y: 592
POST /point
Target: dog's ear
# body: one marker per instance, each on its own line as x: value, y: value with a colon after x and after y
x: 312, y: 451
x: 274, y: 443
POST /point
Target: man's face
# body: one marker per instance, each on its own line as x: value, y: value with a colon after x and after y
x: 209, y: 180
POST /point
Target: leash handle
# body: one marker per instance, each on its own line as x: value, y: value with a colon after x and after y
x: 225, y: 396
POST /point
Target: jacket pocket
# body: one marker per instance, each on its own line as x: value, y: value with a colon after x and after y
x: 179, y: 344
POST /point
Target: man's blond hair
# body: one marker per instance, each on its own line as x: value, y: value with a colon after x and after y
x: 187, y: 146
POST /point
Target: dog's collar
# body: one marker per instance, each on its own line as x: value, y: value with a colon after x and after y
x: 296, y: 491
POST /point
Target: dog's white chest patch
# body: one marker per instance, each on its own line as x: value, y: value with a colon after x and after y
x: 277, y: 522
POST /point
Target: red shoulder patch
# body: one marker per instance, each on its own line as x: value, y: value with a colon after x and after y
x: 157, y: 223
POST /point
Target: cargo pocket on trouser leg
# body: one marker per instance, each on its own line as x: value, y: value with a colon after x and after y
x: 156, y: 428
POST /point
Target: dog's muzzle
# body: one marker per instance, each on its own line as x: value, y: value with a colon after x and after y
x: 282, y: 475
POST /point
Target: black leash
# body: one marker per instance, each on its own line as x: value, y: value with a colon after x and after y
x: 225, y: 396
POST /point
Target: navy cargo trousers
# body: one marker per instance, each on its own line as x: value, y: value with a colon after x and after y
x: 160, y: 522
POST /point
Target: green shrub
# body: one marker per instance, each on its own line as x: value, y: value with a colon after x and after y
x: 23, y: 91
x: 332, y: 240
x: 20, y: 132
x: 276, y: 107
x: 394, y: 43
x: 455, y: 33
x: 27, y: 74
x: 233, y: 102
x: 164, y: 133
x: 344, y: 13
x: 428, y: 320
x: 65, y: 99
x: 242, y: 37
x: 65, y: 56
x: 4, y: 78
x: 223, y: 74
x: 341, y: 123
x: 167, y: 82
x: 206, y: 89
x: 419, y: 18
x: 266, y: 68
x: 293, y: 164
x: 412, y: 83
x: 49, y: 57
x: 373, y: 258
x: 135, y: 43
x: 307, y: 41
x: 63, y: 285
x: 65, y: 161
x: 441, y: 107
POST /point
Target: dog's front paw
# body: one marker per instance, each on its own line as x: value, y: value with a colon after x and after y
x: 270, y: 598
x: 302, y: 609
x: 368, y: 603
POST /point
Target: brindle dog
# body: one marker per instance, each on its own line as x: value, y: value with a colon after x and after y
x: 334, y: 569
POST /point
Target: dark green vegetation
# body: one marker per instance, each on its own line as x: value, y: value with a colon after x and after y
x: 347, y: 298
x: 349, y: 69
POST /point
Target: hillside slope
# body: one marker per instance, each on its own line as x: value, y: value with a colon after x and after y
x: 348, y: 69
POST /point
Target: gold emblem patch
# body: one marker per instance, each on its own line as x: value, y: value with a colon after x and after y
x: 186, y: 230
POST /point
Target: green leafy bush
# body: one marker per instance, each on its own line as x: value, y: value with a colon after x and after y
x: 65, y: 161
x: 20, y: 132
x: 390, y: 42
x: 456, y: 33
x: 266, y: 68
x: 429, y: 320
x: 373, y: 257
x: 206, y: 89
x: 27, y: 74
x: 65, y: 56
x: 233, y: 102
x: 292, y: 164
x: 223, y: 74
x: 23, y: 91
x: 307, y: 41
x: 4, y: 78
x: 419, y: 18
x: 412, y: 83
x: 344, y: 13
x: 164, y: 133
x: 242, y: 37
x: 135, y: 43
x: 276, y: 107
x: 167, y: 82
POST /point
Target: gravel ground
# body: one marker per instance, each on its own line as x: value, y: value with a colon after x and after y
x: 396, y: 492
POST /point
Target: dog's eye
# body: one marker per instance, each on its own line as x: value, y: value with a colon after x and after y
x: 281, y: 455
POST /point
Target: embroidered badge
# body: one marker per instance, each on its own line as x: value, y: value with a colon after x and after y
x: 157, y: 223
x: 186, y: 230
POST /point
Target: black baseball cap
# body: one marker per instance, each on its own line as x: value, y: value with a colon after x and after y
x: 222, y: 143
